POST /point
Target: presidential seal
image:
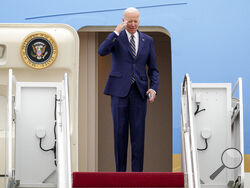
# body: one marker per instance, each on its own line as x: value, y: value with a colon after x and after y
x: 39, y: 50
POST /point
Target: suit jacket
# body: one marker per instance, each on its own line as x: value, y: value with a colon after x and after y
x: 124, y: 64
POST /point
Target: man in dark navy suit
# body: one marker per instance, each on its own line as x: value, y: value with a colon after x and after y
x: 127, y: 84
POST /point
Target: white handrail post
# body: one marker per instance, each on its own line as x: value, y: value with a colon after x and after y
x: 66, y: 89
x: 10, y: 118
x: 64, y: 178
x: 239, y: 83
x: 188, y: 131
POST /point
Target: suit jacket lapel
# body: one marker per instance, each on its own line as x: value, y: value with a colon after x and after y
x: 124, y: 38
x: 141, y: 43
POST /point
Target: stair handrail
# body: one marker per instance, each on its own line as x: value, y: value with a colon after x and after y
x: 190, y: 149
x: 11, y: 83
x: 64, y: 179
x: 68, y: 132
x: 239, y: 85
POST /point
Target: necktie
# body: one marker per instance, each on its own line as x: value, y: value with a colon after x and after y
x: 132, y: 45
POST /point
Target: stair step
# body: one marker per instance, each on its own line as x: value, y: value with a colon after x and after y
x: 41, y: 185
x: 128, y: 179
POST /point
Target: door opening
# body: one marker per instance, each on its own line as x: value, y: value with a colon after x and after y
x: 95, y: 119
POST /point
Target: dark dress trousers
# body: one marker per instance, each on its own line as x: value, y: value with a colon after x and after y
x: 128, y: 101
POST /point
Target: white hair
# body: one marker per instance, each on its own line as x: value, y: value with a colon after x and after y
x: 131, y: 9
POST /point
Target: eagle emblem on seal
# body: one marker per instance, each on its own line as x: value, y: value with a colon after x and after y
x: 39, y: 50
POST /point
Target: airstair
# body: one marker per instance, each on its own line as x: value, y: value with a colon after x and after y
x: 38, y: 132
x: 212, y: 139
x: 38, y: 140
x: 212, y: 134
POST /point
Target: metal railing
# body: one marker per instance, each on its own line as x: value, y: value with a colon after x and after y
x: 237, y: 123
x: 188, y: 140
x: 63, y: 130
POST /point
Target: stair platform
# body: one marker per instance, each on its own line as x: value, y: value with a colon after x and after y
x: 128, y: 179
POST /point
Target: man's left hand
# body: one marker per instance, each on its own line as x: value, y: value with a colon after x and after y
x: 152, y: 95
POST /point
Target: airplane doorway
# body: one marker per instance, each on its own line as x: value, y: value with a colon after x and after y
x: 95, y: 119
